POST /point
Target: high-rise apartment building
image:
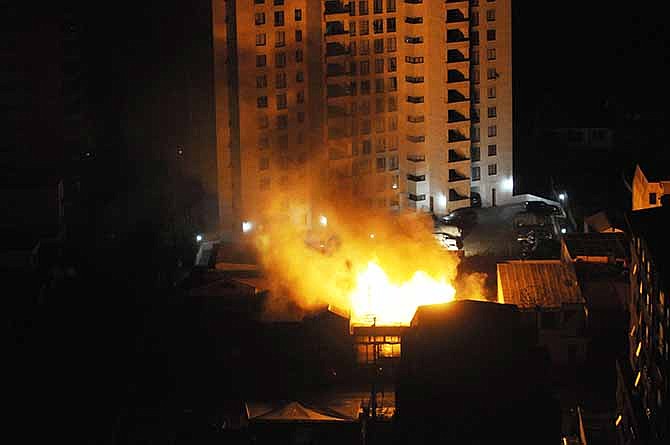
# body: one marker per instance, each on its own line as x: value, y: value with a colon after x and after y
x: 374, y: 103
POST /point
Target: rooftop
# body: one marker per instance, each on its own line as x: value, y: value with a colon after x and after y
x: 656, y: 169
x: 596, y: 244
x: 545, y: 283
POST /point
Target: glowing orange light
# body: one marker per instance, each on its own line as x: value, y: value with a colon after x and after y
x: 618, y: 420
x: 377, y: 300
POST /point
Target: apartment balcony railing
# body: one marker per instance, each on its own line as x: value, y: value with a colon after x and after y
x: 336, y: 7
x: 455, y: 76
x: 456, y: 136
x: 455, y: 196
x: 455, y: 176
x: 455, y: 156
x: 454, y: 55
x: 455, y: 16
x: 416, y: 139
x: 416, y: 178
x: 416, y: 158
x: 455, y: 96
x: 455, y: 36
x: 454, y: 116
x: 335, y: 29
x: 413, y: 197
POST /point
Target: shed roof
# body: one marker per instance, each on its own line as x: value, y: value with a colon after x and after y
x: 544, y: 283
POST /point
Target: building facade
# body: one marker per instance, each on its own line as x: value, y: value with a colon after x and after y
x: 379, y: 104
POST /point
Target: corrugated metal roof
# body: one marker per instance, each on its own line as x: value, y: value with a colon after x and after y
x: 548, y: 283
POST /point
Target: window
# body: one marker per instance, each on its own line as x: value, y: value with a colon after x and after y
x: 261, y: 60
x: 365, y: 27
x: 264, y: 163
x: 259, y: 18
x: 393, y: 123
x: 492, y: 112
x: 379, y: 145
x: 352, y: 28
x: 259, y: 2
x: 379, y: 66
x: 652, y: 198
x: 365, y: 126
x: 380, y: 124
x: 280, y: 80
x: 390, y: 25
x: 379, y: 85
x: 301, y: 116
x: 491, y: 74
x: 278, y: 2
x: 300, y: 97
x: 381, y: 164
x: 393, y: 103
x: 416, y: 119
x: 492, y: 131
x: 378, y: 6
x: 379, y: 104
x: 476, y: 173
x: 391, y: 44
x: 390, y: 6
x: 414, y: 79
x: 475, y: 136
x: 263, y: 121
x: 475, y: 76
x: 280, y: 38
x: 415, y: 99
x: 474, y: 18
x: 414, y: 197
x: 262, y: 101
x: 280, y: 60
x: 260, y: 39
x: 261, y: 81
x: 298, y: 55
x: 392, y: 142
x: 492, y: 92
x: 475, y: 153
x: 493, y: 150
x: 493, y: 169
x: 491, y: 15
x: 491, y: 35
x: 367, y: 146
x: 491, y: 54
x: 379, y: 46
x: 378, y: 26
x: 413, y: 39
x: 365, y: 67
x: 475, y: 95
x: 365, y: 47
x: 282, y: 121
x: 475, y: 57
x: 393, y: 163
x: 281, y: 101
x: 393, y: 83
x: 414, y: 59
x: 363, y: 7
x: 298, y: 15
x: 393, y: 65
x: 279, y: 18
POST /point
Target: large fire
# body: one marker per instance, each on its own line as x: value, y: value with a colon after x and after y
x: 376, y: 267
x: 377, y: 300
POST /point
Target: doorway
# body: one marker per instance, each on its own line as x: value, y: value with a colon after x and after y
x: 493, y: 197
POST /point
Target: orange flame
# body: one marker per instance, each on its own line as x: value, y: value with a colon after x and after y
x: 377, y: 300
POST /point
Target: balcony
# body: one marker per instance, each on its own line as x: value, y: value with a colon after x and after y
x: 455, y: 96
x: 454, y: 55
x: 454, y: 116
x: 455, y: 196
x: 415, y: 99
x: 336, y: 69
x: 416, y: 158
x: 454, y: 76
x: 455, y: 156
x: 457, y: 136
x: 456, y: 16
x: 416, y: 178
x: 455, y: 176
x: 413, y: 197
x: 338, y: 90
x: 335, y: 7
x: 334, y: 49
x: 416, y: 139
x: 335, y: 112
x: 456, y: 36
x: 335, y: 29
